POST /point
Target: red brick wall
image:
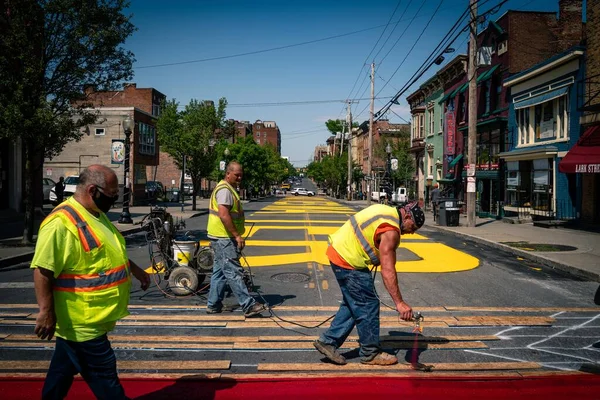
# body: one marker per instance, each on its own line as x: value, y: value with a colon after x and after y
x: 531, y: 39
x: 130, y: 96
x: 593, y: 44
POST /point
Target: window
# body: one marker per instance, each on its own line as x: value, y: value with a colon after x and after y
x: 257, y: 134
x: 542, y: 185
x: 430, y: 163
x: 421, y: 126
x: 100, y: 132
x: 431, y: 116
x: 543, y: 122
x: 147, y: 139
x: 498, y: 97
x: 462, y: 105
x: 488, y: 94
x: 155, y: 110
x: 502, y: 47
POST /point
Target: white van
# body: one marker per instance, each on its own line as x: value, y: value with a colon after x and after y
x: 400, y: 196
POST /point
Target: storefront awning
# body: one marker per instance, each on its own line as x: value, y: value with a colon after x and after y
x: 532, y: 101
x: 455, y: 161
x: 487, y: 74
x: 584, y: 157
x: 529, y: 153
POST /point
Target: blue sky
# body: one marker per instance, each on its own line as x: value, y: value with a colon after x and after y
x: 180, y: 31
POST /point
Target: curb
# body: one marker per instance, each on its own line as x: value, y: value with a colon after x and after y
x: 525, y: 254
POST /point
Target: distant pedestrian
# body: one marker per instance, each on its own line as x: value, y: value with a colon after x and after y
x: 434, y: 199
x: 225, y: 229
x: 369, y: 239
x: 59, y: 190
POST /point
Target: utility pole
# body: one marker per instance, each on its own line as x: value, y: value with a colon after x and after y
x: 472, y: 135
x: 372, y: 112
x: 349, y: 189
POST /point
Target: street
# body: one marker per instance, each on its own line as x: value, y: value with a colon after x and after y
x: 485, y: 312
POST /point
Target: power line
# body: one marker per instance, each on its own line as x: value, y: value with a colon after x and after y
x: 260, y: 51
x: 424, y: 67
x: 395, y: 26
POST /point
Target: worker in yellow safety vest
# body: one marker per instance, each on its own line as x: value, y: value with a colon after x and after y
x: 82, y: 279
x: 367, y: 240
x: 225, y: 229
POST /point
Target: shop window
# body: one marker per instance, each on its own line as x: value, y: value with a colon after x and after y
x: 549, y: 122
x: 147, y: 139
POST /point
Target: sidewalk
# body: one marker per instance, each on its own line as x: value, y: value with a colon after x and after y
x: 12, y: 253
x: 583, y: 262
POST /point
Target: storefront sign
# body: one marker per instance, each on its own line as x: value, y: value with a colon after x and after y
x: 547, y: 129
x: 587, y: 168
x: 487, y: 167
x: 450, y: 133
x: 117, y: 153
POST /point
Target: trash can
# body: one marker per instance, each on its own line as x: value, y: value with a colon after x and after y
x: 448, y: 212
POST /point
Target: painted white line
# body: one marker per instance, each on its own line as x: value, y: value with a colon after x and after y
x: 530, y: 346
x: 16, y: 285
x: 548, y: 365
x: 508, y: 330
x: 557, y: 314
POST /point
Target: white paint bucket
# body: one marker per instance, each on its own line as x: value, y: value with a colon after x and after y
x: 183, y: 251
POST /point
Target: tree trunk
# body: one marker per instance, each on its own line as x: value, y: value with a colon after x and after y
x: 29, y: 195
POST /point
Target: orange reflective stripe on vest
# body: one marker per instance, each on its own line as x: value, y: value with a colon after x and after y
x: 88, y: 238
x: 91, y: 282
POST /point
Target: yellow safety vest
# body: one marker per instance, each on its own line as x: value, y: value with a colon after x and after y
x: 355, y: 240
x: 96, y: 290
x: 215, y: 225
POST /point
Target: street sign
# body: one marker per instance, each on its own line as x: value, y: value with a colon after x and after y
x: 471, y: 170
x: 394, y: 164
x: 471, y: 184
x: 222, y: 166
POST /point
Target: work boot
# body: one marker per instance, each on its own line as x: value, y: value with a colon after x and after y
x: 381, y: 359
x: 256, y: 309
x: 330, y: 352
x: 219, y: 310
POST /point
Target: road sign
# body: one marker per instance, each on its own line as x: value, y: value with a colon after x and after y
x: 470, y: 179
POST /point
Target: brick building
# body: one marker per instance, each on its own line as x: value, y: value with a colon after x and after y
x: 320, y: 153
x: 101, y: 141
x: 514, y: 42
x: 267, y: 132
x: 582, y: 163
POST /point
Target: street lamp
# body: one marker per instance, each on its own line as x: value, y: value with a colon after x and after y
x: 388, y: 172
x: 125, y: 217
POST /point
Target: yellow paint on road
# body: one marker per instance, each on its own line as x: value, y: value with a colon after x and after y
x: 428, y: 256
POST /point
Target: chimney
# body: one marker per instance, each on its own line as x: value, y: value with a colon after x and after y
x: 129, y: 85
x: 570, y: 23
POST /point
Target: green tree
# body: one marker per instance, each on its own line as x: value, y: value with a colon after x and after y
x: 188, y: 134
x: 338, y: 125
x: 48, y: 51
x: 400, y: 144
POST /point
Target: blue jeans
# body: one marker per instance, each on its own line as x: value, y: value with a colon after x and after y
x: 227, y: 270
x: 360, y: 307
x: 96, y: 362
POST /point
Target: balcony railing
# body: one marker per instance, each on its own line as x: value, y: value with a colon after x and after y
x: 588, y: 94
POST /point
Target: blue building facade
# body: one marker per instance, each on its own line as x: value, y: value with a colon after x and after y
x: 543, y: 124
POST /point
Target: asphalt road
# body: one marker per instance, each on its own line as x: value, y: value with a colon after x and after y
x: 485, y: 311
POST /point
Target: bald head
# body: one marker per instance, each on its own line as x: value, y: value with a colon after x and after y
x: 98, y: 175
x: 234, y: 173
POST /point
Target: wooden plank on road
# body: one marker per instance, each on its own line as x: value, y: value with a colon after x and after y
x: 128, y: 365
x: 402, y: 367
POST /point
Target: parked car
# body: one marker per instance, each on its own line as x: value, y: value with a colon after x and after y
x: 48, y: 185
x: 154, y: 189
x: 188, y: 189
x: 71, y: 182
x: 302, y: 192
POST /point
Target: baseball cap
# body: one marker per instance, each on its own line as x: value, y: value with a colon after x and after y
x: 416, y: 213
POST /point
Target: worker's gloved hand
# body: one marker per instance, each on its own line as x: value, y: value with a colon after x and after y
x: 405, y: 311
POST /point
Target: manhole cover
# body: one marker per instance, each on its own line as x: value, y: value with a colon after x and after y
x: 539, y: 246
x: 291, y: 277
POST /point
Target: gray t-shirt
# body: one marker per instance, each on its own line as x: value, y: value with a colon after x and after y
x: 224, y: 197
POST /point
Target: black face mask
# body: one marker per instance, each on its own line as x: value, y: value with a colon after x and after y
x: 104, y: 202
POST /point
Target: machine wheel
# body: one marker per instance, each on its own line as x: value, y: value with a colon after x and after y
x: 205, y: 259
x: 183, y: 281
